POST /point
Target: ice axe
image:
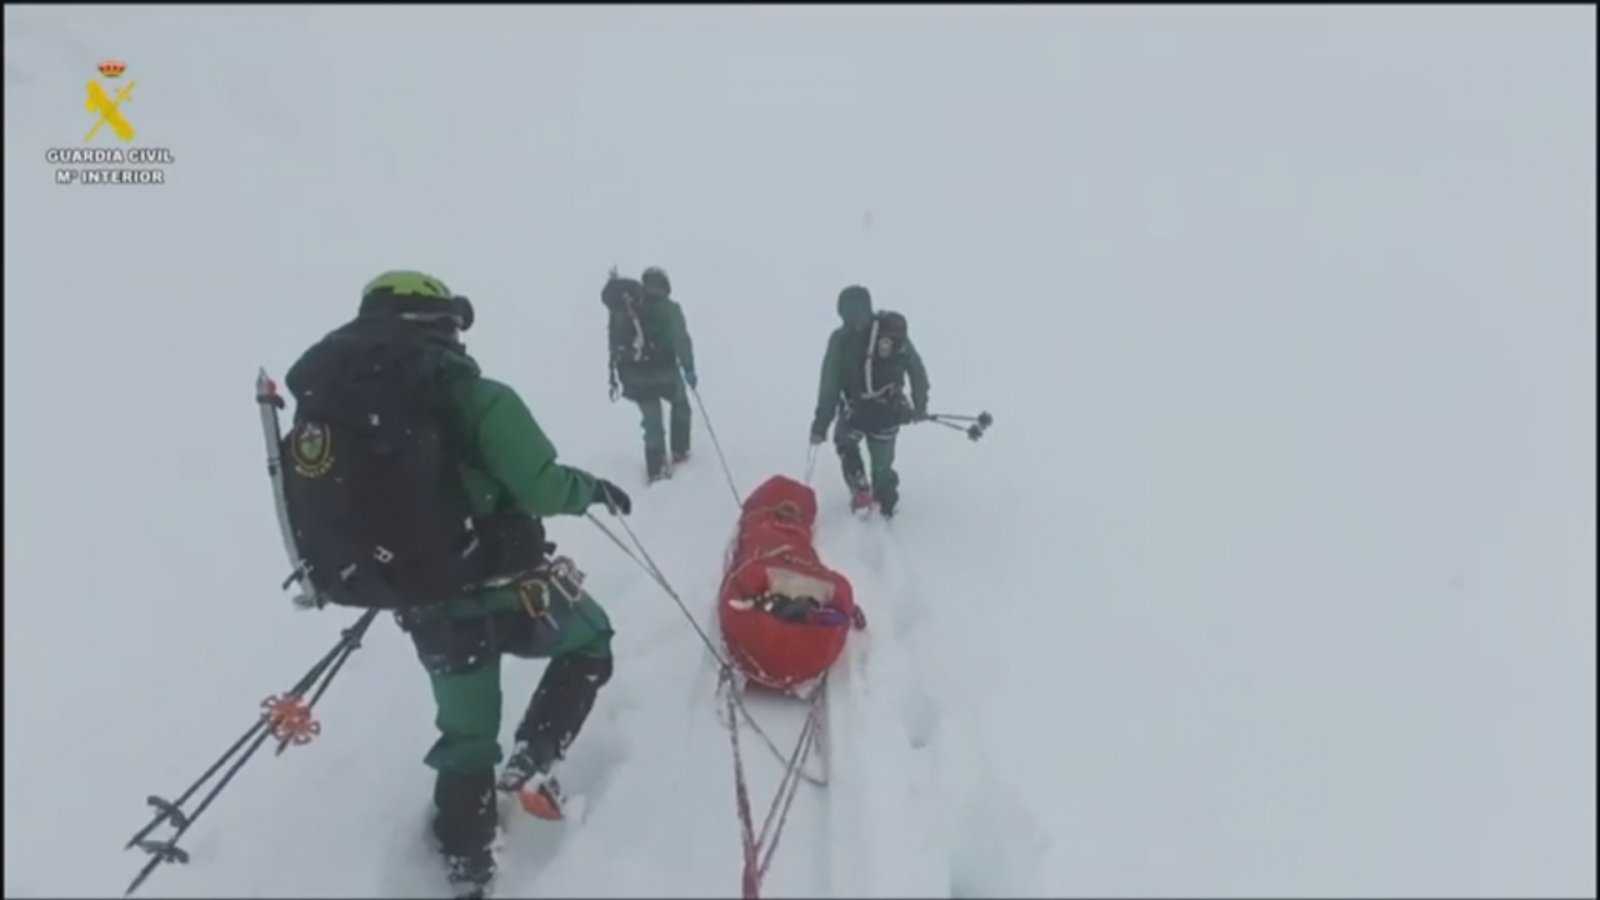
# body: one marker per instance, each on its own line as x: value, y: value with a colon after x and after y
x: 270, y: 402
x: 974, y: 426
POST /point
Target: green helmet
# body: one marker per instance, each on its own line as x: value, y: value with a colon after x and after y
x: 416, y: 296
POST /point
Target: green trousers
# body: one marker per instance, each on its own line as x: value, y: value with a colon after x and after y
x: 679, y: 418
x: 462, y: 655
x: 878, y: 427
x: 662, y: 432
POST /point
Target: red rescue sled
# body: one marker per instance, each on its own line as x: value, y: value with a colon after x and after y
x: 784, y: 615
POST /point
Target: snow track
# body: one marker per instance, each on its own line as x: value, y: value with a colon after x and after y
x: 886, y: 838
x: 925, y: 817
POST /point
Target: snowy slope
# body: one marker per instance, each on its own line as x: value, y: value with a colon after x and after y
x: 1276, y: 574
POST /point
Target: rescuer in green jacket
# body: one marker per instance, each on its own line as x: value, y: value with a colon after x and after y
x: 869, y: 359
x: 652, y: 362
x: 509, y: 470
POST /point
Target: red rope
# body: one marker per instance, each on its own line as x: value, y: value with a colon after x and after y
x: 756, y: 862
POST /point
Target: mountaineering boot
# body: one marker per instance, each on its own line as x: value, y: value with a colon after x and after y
x: 466, y: 825
x: 679, y: 459
x: 556, y: 713
x: 530, y: 774
x: 861, y: 497
x: 471, y: 878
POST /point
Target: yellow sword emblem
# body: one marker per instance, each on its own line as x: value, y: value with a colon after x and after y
x: 99, y: 101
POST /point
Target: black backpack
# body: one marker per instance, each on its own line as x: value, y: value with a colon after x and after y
x: 890, y: 331
x: 375, y: 500
x: 876, y: 352
x: 637, y: 338
x: 623, y: 299
x: 621, y: 293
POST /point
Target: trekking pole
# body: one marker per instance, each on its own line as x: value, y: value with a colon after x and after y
x: 811, y: 461
x: 975, y: 431
x: 716, y: 445
x: 286, y: 717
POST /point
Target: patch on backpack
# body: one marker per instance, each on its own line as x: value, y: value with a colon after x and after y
x: 885, y: 347
x: 312, y: 448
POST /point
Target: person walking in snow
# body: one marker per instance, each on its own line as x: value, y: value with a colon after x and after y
x: 651, y: 362
x: 499, y: 464
x: 864, y: 370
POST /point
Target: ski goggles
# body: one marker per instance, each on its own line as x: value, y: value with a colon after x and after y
x: 410, y: 306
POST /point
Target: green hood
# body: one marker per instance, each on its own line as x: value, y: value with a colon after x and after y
x: 855, y: 306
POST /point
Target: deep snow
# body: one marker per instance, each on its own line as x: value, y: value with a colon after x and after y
x: 1275, y: 575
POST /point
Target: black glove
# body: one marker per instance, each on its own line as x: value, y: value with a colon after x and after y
x: 612, y: 497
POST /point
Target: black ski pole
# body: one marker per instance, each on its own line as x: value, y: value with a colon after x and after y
x: 981, y: 418
x: 171, y: 810
x: 975, y: 431
x: 285, y: 717
x: 350, y: 642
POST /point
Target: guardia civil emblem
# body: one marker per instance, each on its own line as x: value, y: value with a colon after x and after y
x: 312, y: 448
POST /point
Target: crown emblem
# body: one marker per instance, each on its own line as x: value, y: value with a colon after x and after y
x: 113, y: 69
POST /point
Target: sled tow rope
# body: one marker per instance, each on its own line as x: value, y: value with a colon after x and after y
x: 759, y: 849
